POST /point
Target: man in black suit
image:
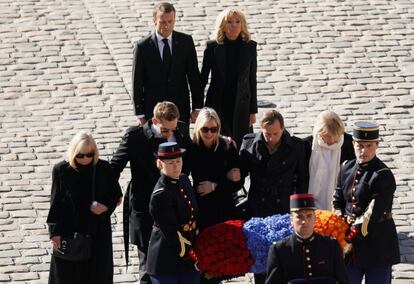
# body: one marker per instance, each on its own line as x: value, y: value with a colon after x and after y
x: 138, y: 147
x: 165, y: 63
x: 305, y: 257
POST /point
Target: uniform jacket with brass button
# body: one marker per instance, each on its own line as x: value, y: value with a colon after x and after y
x: 174, y: 209
x: 313, y: 258
x: 273, y: 177
x: 358, y: 184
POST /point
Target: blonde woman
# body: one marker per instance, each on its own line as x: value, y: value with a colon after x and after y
x: 231, y: 58
x: 84, y: 195
x: 214, y: 167
x: 327, y: 148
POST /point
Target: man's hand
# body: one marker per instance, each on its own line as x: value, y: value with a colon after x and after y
x: 252, y: 119
x: 56, y: 242
x: 98, y: 208
x: 233, y: 175
x: 141, y: 121
x: 194, y: 115
x: 206, y: 187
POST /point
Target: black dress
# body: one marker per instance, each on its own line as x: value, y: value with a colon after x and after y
x: 207, y: 164
x: 69, y: 212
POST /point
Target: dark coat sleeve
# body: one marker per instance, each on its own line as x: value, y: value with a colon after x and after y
x: 340, y: 273
x: 56, y: 197
x: 338, y: 198
x: 121, y: 156
x: 274, y: 268
x: 207, y: 65
x: 137, y: 80
x: 161, y: 206
x: 114, y: 189
x: 302, y: 168
x: 253, y: 80
x: 193, y: 75
x: 232, y: 161
x: 384, y: 184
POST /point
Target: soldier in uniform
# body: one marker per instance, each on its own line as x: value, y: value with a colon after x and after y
x: 364, y: 196
x: 305, y: 256
x: 137, y: 147
x: 173, y: 207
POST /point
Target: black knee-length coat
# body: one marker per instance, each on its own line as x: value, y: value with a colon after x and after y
x: 246, y: 88
x: 69, y: 212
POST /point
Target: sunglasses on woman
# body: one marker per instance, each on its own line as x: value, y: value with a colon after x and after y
x: 88, y: 155
x: 207, y: 129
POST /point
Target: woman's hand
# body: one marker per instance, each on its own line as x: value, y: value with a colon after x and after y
x: 98, y: 208
x: 233, y: 175
x: 56, y: 242
x: 206, y: 187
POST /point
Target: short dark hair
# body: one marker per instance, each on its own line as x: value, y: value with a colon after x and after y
x: 163, y: 7
x: 166, y: 111
x: 271, y: 116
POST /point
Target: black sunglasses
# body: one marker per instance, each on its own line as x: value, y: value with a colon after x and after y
x: 88, y: 155
x: 207, y: 129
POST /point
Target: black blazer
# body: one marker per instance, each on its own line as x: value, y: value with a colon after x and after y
x: 310, y: 259
x: 172, y: 206
x: 246, y: 98
x: 347, y: 149
x: 150, y: 85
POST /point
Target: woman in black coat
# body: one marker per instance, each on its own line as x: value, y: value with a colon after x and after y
x: 232, y: 60
x: 214, y: 167
x: 79, y: 208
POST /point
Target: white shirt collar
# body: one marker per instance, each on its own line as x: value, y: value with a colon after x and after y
x: 160, y: 37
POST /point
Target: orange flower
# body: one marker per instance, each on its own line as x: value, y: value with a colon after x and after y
x: 332, y: 225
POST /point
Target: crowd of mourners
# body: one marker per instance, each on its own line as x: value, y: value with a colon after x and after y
x: 182, y: 184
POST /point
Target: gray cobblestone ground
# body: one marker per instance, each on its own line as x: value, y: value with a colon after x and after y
x: 66, y: 66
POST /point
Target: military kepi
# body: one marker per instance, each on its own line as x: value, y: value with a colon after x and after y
x: 169, y: 150
x: 302, y: 201
x: 365, y: 131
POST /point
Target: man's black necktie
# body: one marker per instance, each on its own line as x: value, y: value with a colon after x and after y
x: 166, y: 55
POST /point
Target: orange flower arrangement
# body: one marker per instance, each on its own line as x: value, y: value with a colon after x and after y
x: 330, y: 224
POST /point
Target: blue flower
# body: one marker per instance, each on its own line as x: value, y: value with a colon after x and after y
x: 261, y: 233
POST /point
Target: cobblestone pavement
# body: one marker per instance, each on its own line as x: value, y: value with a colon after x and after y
x: 66, y: 66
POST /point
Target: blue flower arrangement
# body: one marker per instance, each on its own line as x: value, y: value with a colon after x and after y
x: 261, y: 233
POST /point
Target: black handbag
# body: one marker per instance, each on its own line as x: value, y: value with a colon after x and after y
x: 78, y: 246
x: 75, y: 248
x: 242, y: 211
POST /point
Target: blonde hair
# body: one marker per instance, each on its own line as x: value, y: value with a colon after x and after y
x: 328, y: 122
x: 206, y: 114
x: 80, y: 141
x: 221, y: 23
x: 166, y: 110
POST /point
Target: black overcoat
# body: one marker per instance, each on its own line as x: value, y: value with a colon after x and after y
x: 371, y: 180
x: 347, y: 149
x: 70, y: 212
x: 316, y: 257
x: 150, y: 85
x: 173, y: 205
x: 137, y: 147
x: 273, y: 178
x: 246, y: 98
x: 208, y: 164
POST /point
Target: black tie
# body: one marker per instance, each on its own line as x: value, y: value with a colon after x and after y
x: 166, y: 55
